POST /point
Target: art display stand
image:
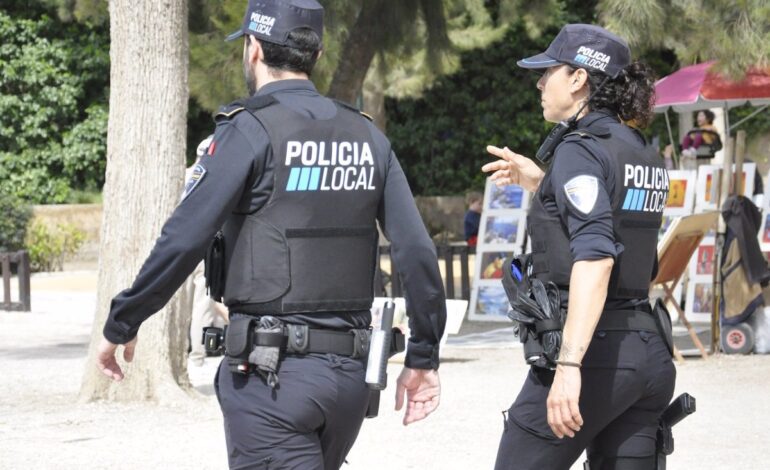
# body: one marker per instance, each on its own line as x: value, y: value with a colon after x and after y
x: 501, y: 235
x: 675, y: 249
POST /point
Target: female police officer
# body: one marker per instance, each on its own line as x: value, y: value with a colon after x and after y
x: 593, y: 226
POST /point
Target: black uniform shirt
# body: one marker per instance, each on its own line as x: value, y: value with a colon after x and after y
x: 590, y: 228
x: 239, y: 177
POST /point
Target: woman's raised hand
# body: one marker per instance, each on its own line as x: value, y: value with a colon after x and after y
x: 512, y: 168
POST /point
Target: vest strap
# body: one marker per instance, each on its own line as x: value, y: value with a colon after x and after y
x: 328, y: 232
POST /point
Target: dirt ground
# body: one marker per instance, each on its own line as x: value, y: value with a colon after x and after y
x: 42, y: 355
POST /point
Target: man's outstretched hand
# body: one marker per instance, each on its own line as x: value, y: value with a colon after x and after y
x: 423, y: 391
x: 105, y: 358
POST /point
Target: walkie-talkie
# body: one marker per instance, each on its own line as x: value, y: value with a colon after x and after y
x: 545, y: 152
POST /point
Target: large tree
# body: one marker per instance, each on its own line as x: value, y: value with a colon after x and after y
x: 145, y: 163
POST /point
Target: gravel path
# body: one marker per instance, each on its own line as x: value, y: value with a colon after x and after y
x: 42, y: 425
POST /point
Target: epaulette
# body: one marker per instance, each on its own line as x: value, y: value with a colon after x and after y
x: 352, y: 108
x: 580, y: 134
x: 251, y: 103
x: 228, y: 111
x: 256, y: 102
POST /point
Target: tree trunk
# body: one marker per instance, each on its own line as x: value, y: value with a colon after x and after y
x: 145, y: 167
x: 374, y: 101
x: 357, y: 53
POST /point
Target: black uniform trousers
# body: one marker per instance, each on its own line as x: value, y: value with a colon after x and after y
x: 627, y: 381
x: 308, y: 422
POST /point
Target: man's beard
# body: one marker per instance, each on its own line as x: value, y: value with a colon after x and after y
x: 251, y: 78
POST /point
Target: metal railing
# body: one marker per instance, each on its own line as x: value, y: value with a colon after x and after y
x: 445, y: 252
x: 21, y: 260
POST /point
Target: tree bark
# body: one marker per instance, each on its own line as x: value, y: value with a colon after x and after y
x: 145, y: 168
x: 357, y: 53
x: 374, y: 101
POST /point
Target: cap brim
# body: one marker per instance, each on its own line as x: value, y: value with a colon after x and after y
x: 234, y: 36
x: 539, y: 61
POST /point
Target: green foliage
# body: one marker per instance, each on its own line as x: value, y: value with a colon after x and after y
x: 85, y: 197
x: 49, y: 247
x: 758, y: 124
x: 735, y: 33
x: 13, y: 223
x: 53, y: 117
x: 84, y: 149
x: 441, y: 138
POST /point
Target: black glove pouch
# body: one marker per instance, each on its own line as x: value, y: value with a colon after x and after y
x: 266, y: 354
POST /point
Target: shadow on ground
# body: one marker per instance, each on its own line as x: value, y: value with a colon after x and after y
x: 68, y: 350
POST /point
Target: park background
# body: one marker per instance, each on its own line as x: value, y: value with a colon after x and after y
x: 438, y: 75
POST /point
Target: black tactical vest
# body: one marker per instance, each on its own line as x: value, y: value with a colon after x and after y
x: 312, y: 247
x: 641, y: 190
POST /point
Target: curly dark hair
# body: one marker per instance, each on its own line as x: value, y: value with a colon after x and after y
x: 630, y: 95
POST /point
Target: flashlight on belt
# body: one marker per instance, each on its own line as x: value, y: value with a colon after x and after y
x: 379, y: 350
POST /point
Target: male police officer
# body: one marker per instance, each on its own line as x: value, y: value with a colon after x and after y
x: 298, y: 181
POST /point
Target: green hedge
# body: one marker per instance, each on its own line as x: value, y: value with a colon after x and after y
x: 13, y: 223
x: 53, y: 107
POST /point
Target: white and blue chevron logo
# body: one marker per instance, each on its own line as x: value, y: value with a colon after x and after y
x: 304, y: 179
x: 634, y: 200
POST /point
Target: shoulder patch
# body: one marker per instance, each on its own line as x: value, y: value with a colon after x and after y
x: 582, y: 192
x: 197, y: 174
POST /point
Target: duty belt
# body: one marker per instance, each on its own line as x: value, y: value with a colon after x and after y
x: 628, y: 320
x: 320, y: 341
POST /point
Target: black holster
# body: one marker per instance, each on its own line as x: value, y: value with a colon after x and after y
x: 214, y: 269
x: 663, y: 322
x: 536, y: 310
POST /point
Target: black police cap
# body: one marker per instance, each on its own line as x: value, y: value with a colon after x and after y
x: 583, y: 46
x: 273, y: 20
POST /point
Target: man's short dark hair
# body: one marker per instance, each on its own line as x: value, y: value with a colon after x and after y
x: 300, y: 57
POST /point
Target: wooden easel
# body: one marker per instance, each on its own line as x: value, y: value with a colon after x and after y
x: 674, y: 252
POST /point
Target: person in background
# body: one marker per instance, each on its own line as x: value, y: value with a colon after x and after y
x: 474, y: 200
x: 205, y: 311
x: 703, y: 134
